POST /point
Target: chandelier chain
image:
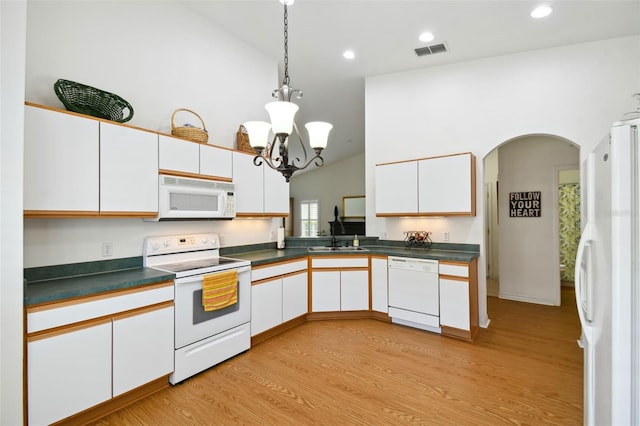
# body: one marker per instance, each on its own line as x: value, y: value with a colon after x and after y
x: 285, y: 81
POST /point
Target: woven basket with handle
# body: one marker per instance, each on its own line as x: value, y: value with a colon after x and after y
x: 242, y: 141
x: 83, y: 99
x: 190, y: 132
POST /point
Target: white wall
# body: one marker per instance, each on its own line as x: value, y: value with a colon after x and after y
x: 328, y: 184
x: 574, y: 92
x: 159, y: 56
x: 530, y: 259
x: 12, y: 59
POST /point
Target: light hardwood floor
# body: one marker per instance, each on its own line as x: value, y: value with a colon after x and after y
x: 525, y: 369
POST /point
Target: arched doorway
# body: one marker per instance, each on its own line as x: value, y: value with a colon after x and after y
x: 522, y: 237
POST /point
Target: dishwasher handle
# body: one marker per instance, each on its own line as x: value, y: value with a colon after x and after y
x: 413, y: 264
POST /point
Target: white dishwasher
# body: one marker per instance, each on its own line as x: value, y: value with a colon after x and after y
x: 414, y: 292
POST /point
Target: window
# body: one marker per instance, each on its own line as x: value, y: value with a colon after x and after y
x: 309, y: 218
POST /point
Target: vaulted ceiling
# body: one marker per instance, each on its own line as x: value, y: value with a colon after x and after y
x: 384, y: 34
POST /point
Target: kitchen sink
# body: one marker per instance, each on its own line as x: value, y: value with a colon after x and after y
x: 330, y: 249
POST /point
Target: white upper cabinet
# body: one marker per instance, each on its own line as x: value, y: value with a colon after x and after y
x: 192, y: 159
x: 438, y: 186
x: 260, y: 191
x: 216, y: 162
x: 397, y: 188
x: 61, y: 163
x: 446, y: 185
x: 128, y: 171
x: 178, y: 155
x: 276, y: 192
x: 248, y: 180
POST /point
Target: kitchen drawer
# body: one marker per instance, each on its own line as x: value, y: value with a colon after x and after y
x: 274, y: 270
x: 69, y: 312
x: 340, y: 262
x: 454, y: 270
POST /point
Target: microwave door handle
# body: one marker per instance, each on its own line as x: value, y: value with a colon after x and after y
x: 225, y: 202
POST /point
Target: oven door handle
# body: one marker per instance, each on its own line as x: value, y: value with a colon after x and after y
x: 197, y: 279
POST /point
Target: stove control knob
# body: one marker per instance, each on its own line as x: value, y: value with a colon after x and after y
x: 166, y: 243
x: 204, y: 240
x: 155, y: 246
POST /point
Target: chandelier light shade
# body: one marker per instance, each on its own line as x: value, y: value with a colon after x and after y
x: 318, y: 134
x: 274, y: 150
x: 282, y: 115
x: 258, y: 132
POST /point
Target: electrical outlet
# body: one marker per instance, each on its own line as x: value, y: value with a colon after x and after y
x: 107, y: 249
x: 272, y: 235
x: 446, y: 236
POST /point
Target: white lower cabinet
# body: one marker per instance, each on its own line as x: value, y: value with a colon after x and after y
x: 295, y: 300
x: 68, y: 372
x: 325, y: 291
x: 453, y: 313
x: 379, y: 284
x: 83, y: 353
x: 354, y: 290
x: 279, y: 293
x: 266, y: 305
x: 339, y: 284
x: 459, y: 299
x: 140, y: 344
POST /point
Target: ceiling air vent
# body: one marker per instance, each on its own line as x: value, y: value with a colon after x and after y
x: 431, y: 50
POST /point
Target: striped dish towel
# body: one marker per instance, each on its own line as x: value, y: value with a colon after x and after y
x: 219, y: 290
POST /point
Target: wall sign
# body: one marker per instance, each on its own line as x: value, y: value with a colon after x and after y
x: 525, y: 204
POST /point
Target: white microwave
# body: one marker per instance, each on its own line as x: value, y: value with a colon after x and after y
x: 182, y: 198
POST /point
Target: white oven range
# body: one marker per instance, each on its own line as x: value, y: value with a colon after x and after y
x: 202, y: 338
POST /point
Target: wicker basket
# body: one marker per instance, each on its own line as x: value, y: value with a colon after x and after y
x: 242, y: 141
x: 190, y: 132
x: 88, y: 100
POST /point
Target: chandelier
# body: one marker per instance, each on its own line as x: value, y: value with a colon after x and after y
x: 274, y: 152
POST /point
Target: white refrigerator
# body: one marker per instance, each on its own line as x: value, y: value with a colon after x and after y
x: 608, y: 278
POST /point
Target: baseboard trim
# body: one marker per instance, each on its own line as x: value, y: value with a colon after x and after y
x: 95, y: 413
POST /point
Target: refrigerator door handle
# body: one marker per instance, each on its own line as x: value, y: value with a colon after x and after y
x: 583, y: 284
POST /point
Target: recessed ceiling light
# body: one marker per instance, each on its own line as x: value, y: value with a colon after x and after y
x: 348, y: 54
x: 287, y: 2
x: 541, y: 11
x: 426, y: 37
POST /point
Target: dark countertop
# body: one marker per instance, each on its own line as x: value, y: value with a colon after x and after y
x: 54, y: 283
x: 266, y: 256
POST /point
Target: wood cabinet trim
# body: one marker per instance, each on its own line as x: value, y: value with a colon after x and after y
x: 379, y: 256
x: 278, y: 277
x: 68, y: 328
x: 262, y: 214
x: 340, y: 268
x: 454, y: 278
x: 61, y: 213
x: 128, y: 214
x: 455, y: 262
x: 428, y: 158
x: 88, y: 117
x: 142, y: 310
x: 94, y: 297
x: 193, y: 175
x: 278, y: 263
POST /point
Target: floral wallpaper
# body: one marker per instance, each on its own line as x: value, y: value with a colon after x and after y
x: 569, y: 213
